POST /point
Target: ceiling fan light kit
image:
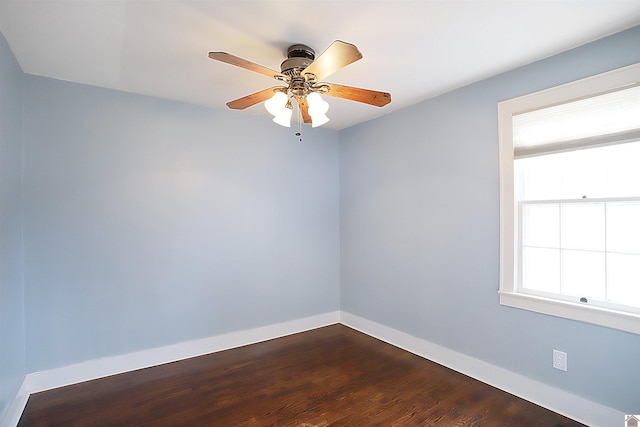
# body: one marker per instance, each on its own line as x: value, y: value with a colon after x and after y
x: 303, y: 75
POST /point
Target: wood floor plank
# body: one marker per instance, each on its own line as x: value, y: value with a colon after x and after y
x: 332, y: 376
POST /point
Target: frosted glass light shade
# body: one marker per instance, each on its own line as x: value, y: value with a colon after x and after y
x: 283, y: 118
x: 277, y: 106
x: 317, y: 109
x: 277, y: 103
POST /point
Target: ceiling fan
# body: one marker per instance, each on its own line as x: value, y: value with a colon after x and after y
x: 303, y: 77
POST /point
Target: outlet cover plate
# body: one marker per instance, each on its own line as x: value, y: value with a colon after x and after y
x: 560, y: 360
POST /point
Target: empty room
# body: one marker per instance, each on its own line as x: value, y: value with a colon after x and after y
x: 337, y: 213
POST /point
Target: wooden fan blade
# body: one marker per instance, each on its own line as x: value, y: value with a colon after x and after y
x: 304, y: 109
x: 253, y: 99
x: 337, y: 56
x: 243, y: 63
x: 371, y: 97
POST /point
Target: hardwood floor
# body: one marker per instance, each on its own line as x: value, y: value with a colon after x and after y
x: 332, y: 376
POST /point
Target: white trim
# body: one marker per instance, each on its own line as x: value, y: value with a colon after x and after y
x: 554, y: 399
x: 508, y: 226
x: 562, y: 402
x: 624, y: 321
x: 589, y: 86
x: 14, y: 411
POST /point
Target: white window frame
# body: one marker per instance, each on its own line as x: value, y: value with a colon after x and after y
x: 509, y: 294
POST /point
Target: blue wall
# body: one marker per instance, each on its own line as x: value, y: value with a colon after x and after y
x: 12, y: 330
x: 150, y: 222
x: 420, y: 233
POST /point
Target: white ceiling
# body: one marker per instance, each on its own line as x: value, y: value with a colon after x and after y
x: 412, y: 49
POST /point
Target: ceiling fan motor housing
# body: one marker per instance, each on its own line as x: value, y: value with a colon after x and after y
x: 299, y: 57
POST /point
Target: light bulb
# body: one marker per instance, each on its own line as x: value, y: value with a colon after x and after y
x: 277, y: 103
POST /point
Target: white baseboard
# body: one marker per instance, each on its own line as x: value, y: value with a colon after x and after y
x: 17, y: 405
x: 562, y: 402
x: 98, y: 368
x: 570, y: 405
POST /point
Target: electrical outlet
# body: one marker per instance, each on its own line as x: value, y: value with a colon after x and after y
x: 560, y: 360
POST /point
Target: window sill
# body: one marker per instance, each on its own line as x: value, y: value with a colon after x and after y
x: 627, y: 322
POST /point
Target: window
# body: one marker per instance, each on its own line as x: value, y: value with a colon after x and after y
x: 570, y: 200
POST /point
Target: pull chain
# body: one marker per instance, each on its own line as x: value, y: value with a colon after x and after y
x: 299, y: 133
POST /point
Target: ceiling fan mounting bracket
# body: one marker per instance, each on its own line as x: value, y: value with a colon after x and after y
x: 301, y: 51
x: 299, y: 57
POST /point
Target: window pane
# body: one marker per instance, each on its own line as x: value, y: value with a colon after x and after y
x: 623, y: 227
x: 583, y: 226
x: 623, y: 173
x: 583, y: 274
x: 624, y: 279
x: 599, y: 172
x: 583, y: 174
x: 541, y: 270
x: 537, y: 178
x: 541, y: 225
